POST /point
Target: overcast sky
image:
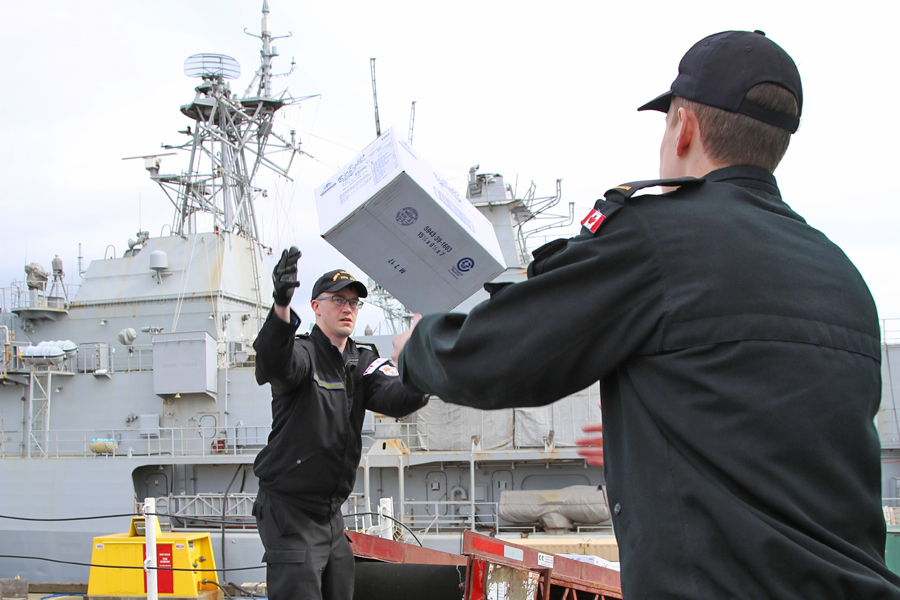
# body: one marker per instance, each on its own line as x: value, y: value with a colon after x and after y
x: 533, y: 90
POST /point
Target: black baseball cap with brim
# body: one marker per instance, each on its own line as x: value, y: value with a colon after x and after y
x: 720, y: 69
x: 337, y: 280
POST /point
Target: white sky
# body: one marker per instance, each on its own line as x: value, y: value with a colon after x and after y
x: 534, y: 90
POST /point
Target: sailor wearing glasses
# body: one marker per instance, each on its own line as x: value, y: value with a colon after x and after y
x: 322, y: 384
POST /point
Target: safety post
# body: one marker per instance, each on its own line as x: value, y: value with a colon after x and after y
x: 150, y: 545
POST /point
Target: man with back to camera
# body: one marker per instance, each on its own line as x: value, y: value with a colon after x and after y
x: 737, y: 349
x: 322, y: 385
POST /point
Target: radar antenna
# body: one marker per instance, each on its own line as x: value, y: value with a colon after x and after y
x: 211, y: 66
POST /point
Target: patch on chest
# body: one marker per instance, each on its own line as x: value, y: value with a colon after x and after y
x: 328, y: 385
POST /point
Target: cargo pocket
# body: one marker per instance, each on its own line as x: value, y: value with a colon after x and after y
x: 276, y: 511
x: 284, y: 556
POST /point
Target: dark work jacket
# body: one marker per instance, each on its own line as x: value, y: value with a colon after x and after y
x: 738, y: 354
x: 319, y: 401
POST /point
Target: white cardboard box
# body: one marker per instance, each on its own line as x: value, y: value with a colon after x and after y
x: 391, y: 214
x: 594, y: 560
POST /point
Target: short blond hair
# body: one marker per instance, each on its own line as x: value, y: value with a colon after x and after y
x: 735, y: 139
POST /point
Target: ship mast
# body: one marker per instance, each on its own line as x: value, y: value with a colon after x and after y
x: 230, y: 140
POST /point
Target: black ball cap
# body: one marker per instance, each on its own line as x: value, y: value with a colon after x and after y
x: 720, y: 69
x: 333, y: 281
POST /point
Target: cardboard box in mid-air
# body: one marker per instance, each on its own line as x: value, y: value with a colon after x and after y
x: 391, y: 214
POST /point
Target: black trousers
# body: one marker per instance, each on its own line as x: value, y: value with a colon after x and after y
x: 308, y: 556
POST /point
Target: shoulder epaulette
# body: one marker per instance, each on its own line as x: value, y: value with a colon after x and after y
x: 614, y: 199
x: 301, y: 336
x: 627, y: 190
x: 368, y: 346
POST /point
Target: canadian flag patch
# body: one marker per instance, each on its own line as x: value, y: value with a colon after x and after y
x: 375, y: 364
x: 593, y: 219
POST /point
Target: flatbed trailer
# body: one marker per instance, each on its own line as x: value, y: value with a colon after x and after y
x: 488, y: 569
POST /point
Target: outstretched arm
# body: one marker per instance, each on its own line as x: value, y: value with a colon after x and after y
x: 279, y: 360
x: 276, y: 360
x: 595, y: 301
x: 384, y: 392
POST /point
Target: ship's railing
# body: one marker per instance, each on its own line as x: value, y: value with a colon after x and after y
x: 414, y: 435
x: 892, y: 507
x: 8, y: 293
x: 890, y: 331
x: 439, y: 516
x: 133, y: 358
x: 435, y: 516
x: 100, y: 357
x: 195, y: 510
x: 887, y: 421
x: 354, y: 505
x: 10, y: 354
x: 144, y: 441
x: 92, y: 358
x: 189, y: 511
x: 154, y: 440
x: 18, y: 296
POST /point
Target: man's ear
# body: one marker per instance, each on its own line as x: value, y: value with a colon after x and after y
x: 688, y: 130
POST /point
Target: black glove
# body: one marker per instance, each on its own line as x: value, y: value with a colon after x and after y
x: 284, y: 277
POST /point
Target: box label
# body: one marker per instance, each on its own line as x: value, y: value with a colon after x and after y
x: 356, y: 176
x: 434, y: 241
x: 545, y: 560
x: 396, y: 264
x: 463, y: 266
x: 406, y: 216
x: 385, y: 161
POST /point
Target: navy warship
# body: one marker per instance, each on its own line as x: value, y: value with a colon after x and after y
x: 138, y: 381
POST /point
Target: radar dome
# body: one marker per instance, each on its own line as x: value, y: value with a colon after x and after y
x: 159, y: 260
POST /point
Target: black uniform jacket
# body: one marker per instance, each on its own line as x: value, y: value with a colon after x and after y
x: 738, y: 353
x: 319, y: 401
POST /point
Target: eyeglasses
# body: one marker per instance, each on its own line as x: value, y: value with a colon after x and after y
x: 340, y: 302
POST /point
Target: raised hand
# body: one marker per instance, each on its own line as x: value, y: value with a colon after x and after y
x: 399, y: 341
x: 591, y: 448
x: 284, y: 277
